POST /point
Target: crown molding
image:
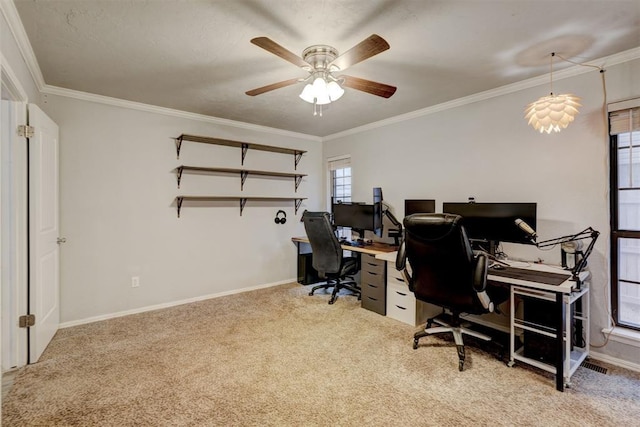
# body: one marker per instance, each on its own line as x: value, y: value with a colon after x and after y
x: 12, y: 17
x: 122, y: 103
x: 575, y: 70
x: 17, y: 29
x: 11, y: 82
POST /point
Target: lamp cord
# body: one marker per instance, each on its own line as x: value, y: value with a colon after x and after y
x: 606, y: 136
x: 604, y: 84
x: 551, y: 72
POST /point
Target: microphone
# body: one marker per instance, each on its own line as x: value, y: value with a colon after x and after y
x: 530, y: 232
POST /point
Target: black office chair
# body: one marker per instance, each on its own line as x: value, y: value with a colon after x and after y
x: 327, y: 256
x: 445, y: 272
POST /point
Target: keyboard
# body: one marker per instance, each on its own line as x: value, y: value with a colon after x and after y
x: 545, y: 277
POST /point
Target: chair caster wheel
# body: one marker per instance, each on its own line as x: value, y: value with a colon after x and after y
x: 331, y: 301
x: 310, y: 294
x: 415, y: 344
x: 460, y: 365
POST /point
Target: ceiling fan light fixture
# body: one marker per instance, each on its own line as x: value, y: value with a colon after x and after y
x: 335, y: 91
x: 321, y: 61
x: 307, y: 93
x: 321, y: 93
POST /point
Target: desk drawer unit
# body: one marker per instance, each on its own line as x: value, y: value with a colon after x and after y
x: 372, y: 284
x: 401, y: 303
x: 394, y: 276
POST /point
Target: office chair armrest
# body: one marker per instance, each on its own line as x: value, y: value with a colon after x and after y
x: 480, y: 271
x: 401, y: 257
x: 480, y: 280
x: 401, y: 265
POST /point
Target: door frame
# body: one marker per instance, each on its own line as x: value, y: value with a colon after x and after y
x: 14, y: 234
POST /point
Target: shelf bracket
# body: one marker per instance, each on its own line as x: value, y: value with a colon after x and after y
x: 179, y: 203
x: 243, y: 201
x: 179, y: 174
x: 297, y: 156
x: 298, y: 179
x: 178, y: 145
x: 297, y: 202
x: 245, y: 148
x: 243, y: 178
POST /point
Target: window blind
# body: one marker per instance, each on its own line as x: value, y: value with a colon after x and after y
x: 336, y: 164
x: 624, y: 117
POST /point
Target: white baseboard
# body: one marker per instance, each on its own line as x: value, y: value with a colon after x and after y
x: 168, y: 304
x: 615, y: 361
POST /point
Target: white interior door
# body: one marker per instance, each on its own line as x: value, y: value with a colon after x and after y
x: 44, y: 251
x: 14, y: 234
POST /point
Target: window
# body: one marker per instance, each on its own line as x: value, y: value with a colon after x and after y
x: 340, y: 179
x: 340, y: 176
x: 624, y: 123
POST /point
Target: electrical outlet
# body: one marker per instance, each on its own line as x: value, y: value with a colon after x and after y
x: 135, y: 281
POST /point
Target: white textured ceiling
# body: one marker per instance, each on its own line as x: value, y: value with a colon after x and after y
x: 196, y: 56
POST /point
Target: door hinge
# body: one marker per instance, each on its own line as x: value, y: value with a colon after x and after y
x: 27, y: 321
x: 26, y: 131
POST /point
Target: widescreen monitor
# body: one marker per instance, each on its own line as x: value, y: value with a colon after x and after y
x: 413, y: 206
x: 495, y: 222
x: 357, y: 216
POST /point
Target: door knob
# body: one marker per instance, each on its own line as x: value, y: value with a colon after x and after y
x: 60, y: 240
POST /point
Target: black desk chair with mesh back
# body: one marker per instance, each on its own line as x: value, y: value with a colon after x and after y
x: 445, y: 271
x: 327, y: 256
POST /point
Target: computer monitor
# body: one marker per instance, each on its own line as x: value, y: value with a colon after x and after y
x: 412, y: 206
x: 358, y: 216
x: 377, y: 195
x: 377, y: 211
x: 495, y: 222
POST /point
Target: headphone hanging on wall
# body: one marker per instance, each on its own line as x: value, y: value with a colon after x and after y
x: 280, y: 219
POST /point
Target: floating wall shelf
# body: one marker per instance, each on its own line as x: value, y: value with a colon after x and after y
x: 297, y: 177
x: 245, y: 146
x: 243, y: 200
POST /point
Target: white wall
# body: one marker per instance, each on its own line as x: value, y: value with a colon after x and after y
x: 117, y: 190
x: 487, y: 150
x: 119, y: 217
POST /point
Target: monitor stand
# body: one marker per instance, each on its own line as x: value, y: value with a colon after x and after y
x: 495, y: 263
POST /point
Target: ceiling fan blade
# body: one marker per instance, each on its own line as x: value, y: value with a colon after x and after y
x: 367, y: 48
x: 273, y: 47
x: 271, y: 87
x: 374, y: 88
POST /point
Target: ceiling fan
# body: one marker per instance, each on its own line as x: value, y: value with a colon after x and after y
x: 321, y: 62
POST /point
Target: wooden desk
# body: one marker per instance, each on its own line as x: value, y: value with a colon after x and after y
x: 374, y: 248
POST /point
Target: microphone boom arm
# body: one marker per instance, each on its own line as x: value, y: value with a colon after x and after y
x: 582, y: 235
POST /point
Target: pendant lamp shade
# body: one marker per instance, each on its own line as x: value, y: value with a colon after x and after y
x: 552, y: 113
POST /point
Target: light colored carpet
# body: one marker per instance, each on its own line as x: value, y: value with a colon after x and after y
x: 279, y: 357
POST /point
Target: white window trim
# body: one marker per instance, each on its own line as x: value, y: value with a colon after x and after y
x: 623, y: 335
x: 328, y: 180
